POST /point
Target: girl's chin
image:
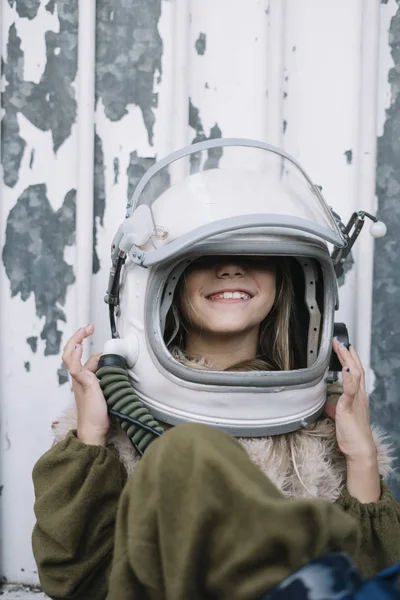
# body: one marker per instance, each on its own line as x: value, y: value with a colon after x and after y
x: 224, y: 327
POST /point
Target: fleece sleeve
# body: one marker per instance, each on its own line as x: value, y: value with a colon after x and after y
x: 379, y: 523
x: 77, y: 490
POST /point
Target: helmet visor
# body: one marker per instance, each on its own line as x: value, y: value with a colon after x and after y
x: 220, y: 179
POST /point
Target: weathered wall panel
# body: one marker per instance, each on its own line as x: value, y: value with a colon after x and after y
x: 167, y: 72
x: 385, y: 347
x: 37, y: 235
x: 321, y: 102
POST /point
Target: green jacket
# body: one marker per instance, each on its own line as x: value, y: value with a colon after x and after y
x: 77, y: 490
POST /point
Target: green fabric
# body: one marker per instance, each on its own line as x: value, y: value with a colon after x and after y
x: 380, y: 530
x: 188, y: 522
x: 198, y: 520
x: 77, y: 489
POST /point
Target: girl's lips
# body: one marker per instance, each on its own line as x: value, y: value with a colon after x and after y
x: 229, y: 295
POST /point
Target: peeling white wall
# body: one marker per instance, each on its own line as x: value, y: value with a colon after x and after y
x: 286, y: 72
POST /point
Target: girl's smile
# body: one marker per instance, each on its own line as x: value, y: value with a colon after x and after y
x: 232, y: 309
x: 228, y: 295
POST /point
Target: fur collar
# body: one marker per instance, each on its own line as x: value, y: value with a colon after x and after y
x: 303, y: 464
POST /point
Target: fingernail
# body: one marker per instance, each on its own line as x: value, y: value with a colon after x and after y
x: 348, y: 370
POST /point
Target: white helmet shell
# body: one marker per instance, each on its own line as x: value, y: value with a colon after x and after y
x: 256, y: 200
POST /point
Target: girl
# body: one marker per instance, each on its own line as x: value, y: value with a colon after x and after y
x: 198, y: 519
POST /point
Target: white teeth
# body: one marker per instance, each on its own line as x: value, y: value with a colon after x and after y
x: 232, y: 295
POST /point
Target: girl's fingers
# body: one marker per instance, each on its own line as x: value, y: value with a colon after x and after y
x: 336, y: 347
x: 351, y: 373
x: 346, y: 359
x: 349, y: 359
x: 73, y: 361
x: 92, y: 363
x: 72, y: 354
x: 357, y: 360
x: 75, y: 339
x: 83, y: 374
x: 351, y: 386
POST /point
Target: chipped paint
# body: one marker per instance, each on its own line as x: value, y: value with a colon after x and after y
x: 349, y: 156
x: 62, y: 375
x: 116, y: 170
x: 50, y: 6
x: 214, y: 154
x: 25, y: 8
x: 33, y: 255
x: 49, y: 105
x: 129, y: 50
x: 385, y: 347
x: 32, y: 342
x: 12, y: 145
x: 137, y: 168
x: 99, y: 197
x: 201, y: 44
x: 195, y: 121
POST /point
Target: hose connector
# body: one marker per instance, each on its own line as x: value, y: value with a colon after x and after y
x: 127, y: 348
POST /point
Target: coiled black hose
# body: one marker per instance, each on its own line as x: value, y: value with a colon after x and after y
x: 123, y: 403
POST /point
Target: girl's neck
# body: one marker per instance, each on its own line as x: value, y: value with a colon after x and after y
x: 222, y: 351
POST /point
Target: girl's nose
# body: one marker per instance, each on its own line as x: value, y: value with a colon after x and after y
x: 229, y: 270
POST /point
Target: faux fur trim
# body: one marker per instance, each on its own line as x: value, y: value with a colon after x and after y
x: 303, y: 464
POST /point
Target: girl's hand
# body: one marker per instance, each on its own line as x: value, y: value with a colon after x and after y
x: 93, y: 422
x: 351, y: 414
x: 353, y: 430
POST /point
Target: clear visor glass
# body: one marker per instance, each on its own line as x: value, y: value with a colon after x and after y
x: 229, y: 179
